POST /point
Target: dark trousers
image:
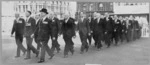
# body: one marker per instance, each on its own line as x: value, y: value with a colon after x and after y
x: 139, y: 34
x: 68, y: 44
x: 20, y: 47
x: 117, y: 36
x: 95, y: 37
x: 30, y: 47
x: 45, y: 48
x: 108, y: 37
x: 39, y: 45
x: 90, y: 38
x: 83, y: 38
x: 123, y: 36
x: 129, y: 33
x: 98, y: 38
x: 55, y: 44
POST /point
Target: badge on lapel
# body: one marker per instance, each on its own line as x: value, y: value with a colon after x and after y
x: 19, y: 21
x: 28, y: 24
x: 45, y: 22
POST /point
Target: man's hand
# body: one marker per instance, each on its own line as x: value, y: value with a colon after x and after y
x: 32, y: 36
x: 89, y: 34
x: 115, y: 30
x: 105, y: 32
x: 91, y: 31
x: 53, y: 38
x: 11, y: 35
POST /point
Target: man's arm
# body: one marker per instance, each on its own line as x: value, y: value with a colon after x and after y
x: 13, y: 28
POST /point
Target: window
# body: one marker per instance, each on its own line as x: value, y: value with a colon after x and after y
x: 100, y: 5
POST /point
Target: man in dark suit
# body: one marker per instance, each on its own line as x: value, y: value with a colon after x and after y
x: 29, y: 30
x: 84, y: 31
x: 98, y: 29
x: 37, y: 18
x: 117, y: 28
x: 130, y: 28
x: 55, y: 30
x: 44, y: 32
x: 108, y: 29
x: 68, y: 31
x: 92, y: 27
x: 123, y: 29
x: 136, y: 29
x: 18, y: 28
x: 90, y: 19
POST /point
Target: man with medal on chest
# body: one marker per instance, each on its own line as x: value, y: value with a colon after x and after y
x: 55, y: 30
x: 44, y: 32
x: 37, y: 18
x: 18, y: 28
x: 68, y: 31
x: 29, y: 31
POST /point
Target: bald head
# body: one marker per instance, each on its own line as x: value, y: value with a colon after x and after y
x: 17, y: 15
x: 106, y: 14
x: 51, y: 14
x: 66, y: 15
x: 98, y: 15
x: 37, y: 16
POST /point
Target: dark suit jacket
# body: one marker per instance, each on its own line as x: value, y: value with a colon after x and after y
x: 108, y: 25
x: 83, y: 26
x: 68, y: 29
x: 130, y: 25
x: 30, y: 26
x: 92, y: 23
x: 98, y: 27
x: 18, y: 27
x: 123, y: 27
x: 117, y: 25
x: 44, y: 29
x: 55, y: 27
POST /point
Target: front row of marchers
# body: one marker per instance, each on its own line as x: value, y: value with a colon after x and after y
x: 46, y: 26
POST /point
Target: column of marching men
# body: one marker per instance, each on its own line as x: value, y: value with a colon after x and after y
x: 45, y: 26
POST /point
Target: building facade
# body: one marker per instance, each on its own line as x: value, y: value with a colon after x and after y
x: 59, y: 7
x: 90, y: 7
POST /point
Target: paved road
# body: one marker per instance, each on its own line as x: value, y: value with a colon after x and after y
x: 133, y: 53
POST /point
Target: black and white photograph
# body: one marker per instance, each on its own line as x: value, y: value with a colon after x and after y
x: 56, y: 32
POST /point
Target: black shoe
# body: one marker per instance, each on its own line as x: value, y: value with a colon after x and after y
x: 41, y: 61
x: 27, y: 58
x: 17, y: 56
x: 58, y: 50
x: 87, y: 49
x: 65, y: 56
x: 37, y: 54
x: 51, y: 56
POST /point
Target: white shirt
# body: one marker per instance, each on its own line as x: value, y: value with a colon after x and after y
x: 67, y: 19
x: 17, y: 19
x: 98, y: 20
x: 82, y: 19
x: 27, y: 19
x: 44, y: 18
